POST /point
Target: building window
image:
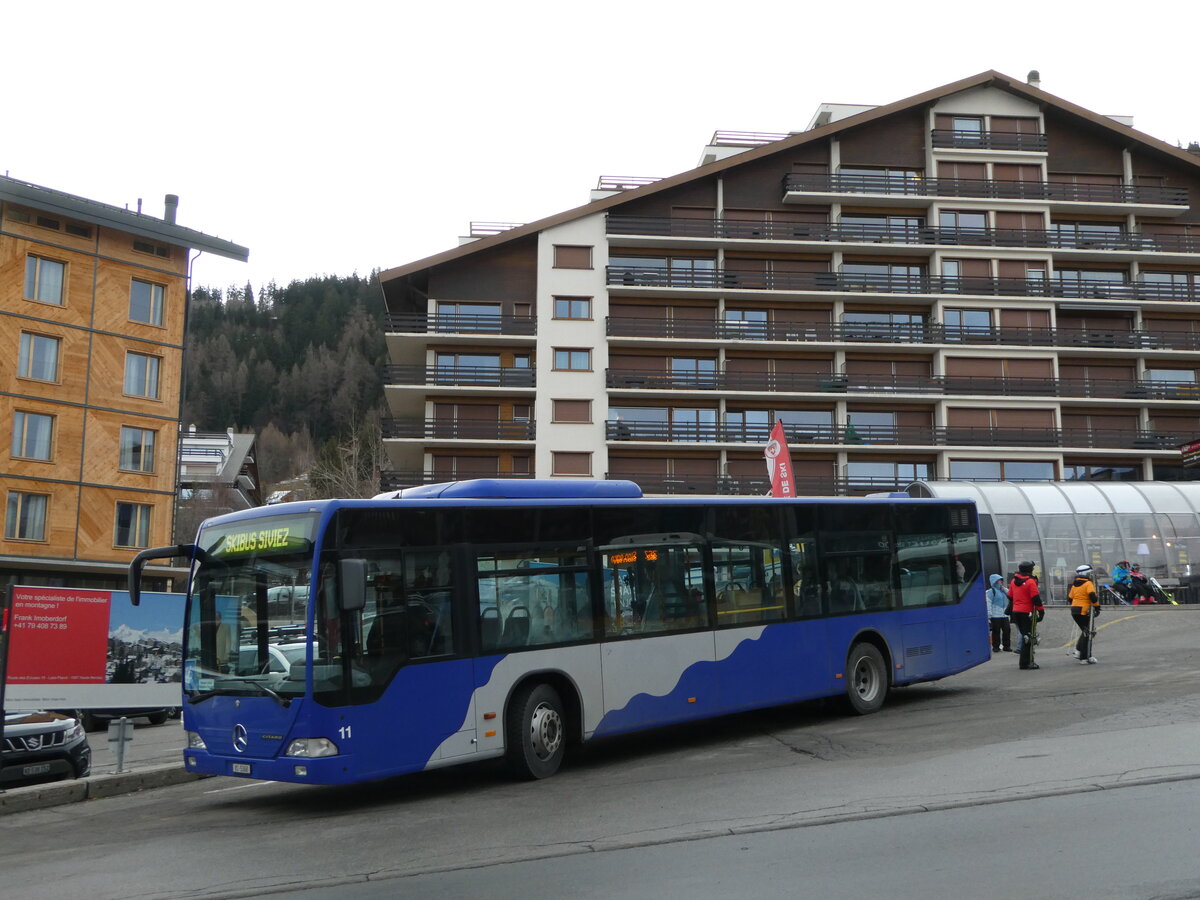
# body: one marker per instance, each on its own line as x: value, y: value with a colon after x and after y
x: 876, y: 475
x: 26, y: 518
x: 962, y: 324
x: 571, y: 463
x: 691, y: 371
x: 132, y: 525
x: 469, y: 317
x: 146, y: 302
x: 965, y: 222
x: 572, y: 307
x: 33, y: 435
x: 137, y: 449
x: 141, y: 375
x: 989, y: 470
x: 573, y: 411
x: 159, y: 250
x: 567, y: 256
x: 568, y: 360
x: 38, y: 357
x: 44, y: 279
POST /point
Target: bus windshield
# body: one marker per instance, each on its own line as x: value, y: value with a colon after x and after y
x: 248, y: 607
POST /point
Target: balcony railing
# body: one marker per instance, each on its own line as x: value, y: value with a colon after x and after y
x: 926, y: 333
x: 832, y: 486
x: 880, y: 435
x: 449, y: 323
x: 729, y: 279
x: 988, y: 140
x: 484, y: 376
x: 734, y: 229
x: 1064, y: 191
x: 459, y: 429
x: 780, y: 382
x: 397, y: 479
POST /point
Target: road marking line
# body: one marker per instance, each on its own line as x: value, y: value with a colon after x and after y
x: 240, y: 787
x: 1071, y: 643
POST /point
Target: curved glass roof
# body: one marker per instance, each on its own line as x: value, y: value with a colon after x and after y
x: 1153, y: 523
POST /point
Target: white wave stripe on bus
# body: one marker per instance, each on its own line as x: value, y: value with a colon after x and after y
x: 608, y: 676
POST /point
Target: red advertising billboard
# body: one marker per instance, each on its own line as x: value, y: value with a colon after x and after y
x: 75, y: 648
x: 59, y: 635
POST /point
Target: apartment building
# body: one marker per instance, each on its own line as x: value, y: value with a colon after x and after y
x: 983, y: 282
x: 93, y: 305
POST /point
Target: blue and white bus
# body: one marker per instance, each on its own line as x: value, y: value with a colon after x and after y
x: 512, y: 618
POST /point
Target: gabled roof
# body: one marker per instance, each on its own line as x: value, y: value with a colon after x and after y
x: 106, y: 216
x: 990, y: 78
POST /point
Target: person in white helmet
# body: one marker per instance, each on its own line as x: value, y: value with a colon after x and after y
x: 1084, y: 608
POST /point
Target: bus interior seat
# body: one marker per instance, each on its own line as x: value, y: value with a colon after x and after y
x: 516, y: 627
x: 489, y: 628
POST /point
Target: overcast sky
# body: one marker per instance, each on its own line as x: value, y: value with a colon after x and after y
x: 333, y: 138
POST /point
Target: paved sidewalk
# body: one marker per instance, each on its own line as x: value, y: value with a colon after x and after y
x: 94, y: 787
x: 154, y: 759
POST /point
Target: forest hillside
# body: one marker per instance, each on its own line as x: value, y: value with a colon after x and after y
x: 301, y: 366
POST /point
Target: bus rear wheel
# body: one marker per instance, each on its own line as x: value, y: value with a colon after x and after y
x: 535, y: 732
x: 866, y: 678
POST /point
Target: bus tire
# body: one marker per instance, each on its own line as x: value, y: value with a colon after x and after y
x: 866, y: 678
x: 535, y: 732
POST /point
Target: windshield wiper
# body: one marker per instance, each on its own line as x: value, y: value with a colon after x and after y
x: 201, y: 696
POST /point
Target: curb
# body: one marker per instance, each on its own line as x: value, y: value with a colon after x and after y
x: 95, y: 787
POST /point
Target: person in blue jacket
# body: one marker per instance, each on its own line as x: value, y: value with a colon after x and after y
x: 999, y: 626
x: 1122, y: 583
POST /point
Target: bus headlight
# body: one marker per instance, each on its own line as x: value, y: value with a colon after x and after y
x: 195, y: 742
x: 312, y: 747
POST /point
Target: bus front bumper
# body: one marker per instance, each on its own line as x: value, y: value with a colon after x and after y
x: 298, y: 770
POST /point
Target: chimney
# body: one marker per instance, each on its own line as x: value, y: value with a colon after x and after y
x: 1034, y: 78
x: 1194, y: 147
x: 170, y: 205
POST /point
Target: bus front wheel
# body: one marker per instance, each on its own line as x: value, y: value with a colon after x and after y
x: 535, y: 732
x: 866, y: 678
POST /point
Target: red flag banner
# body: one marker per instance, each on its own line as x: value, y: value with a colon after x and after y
x: 779, y: 463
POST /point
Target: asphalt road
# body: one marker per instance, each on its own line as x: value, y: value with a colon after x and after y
x: 995, y: 742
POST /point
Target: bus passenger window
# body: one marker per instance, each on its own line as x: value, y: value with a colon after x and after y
x: 531, y: 600
x: 653, y: 589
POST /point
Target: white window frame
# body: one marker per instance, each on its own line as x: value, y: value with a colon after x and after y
x: 36, y: 282
x: 139, y: 526
x: 156, y: 300
x: 151, y: 373
x: 21, y: 438
x: 26, y: 355
x: 19, y: 508
x: 140, y: 447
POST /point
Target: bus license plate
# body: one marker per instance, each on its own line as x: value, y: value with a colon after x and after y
x: 39, y: 769
x: 241, y: 768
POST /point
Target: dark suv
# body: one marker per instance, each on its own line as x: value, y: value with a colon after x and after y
x: 43, y: 746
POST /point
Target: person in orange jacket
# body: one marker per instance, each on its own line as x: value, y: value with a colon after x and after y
x: 1084, y: 606
x: 1026, y: 598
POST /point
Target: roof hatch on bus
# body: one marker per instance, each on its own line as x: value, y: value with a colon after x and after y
x: 521, y: 489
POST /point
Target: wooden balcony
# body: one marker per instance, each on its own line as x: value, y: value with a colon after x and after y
x: 459, y: 429
x: 852, y: 436
x: 475, y: 376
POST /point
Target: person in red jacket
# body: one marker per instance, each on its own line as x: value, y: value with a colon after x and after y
x: 1026, y: 603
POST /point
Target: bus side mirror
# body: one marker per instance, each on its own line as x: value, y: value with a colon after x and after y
x: 352, y: 573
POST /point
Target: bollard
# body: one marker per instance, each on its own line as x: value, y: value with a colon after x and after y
x: 120, y: 733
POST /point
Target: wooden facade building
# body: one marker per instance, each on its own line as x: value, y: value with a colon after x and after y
x: 92, y: 315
